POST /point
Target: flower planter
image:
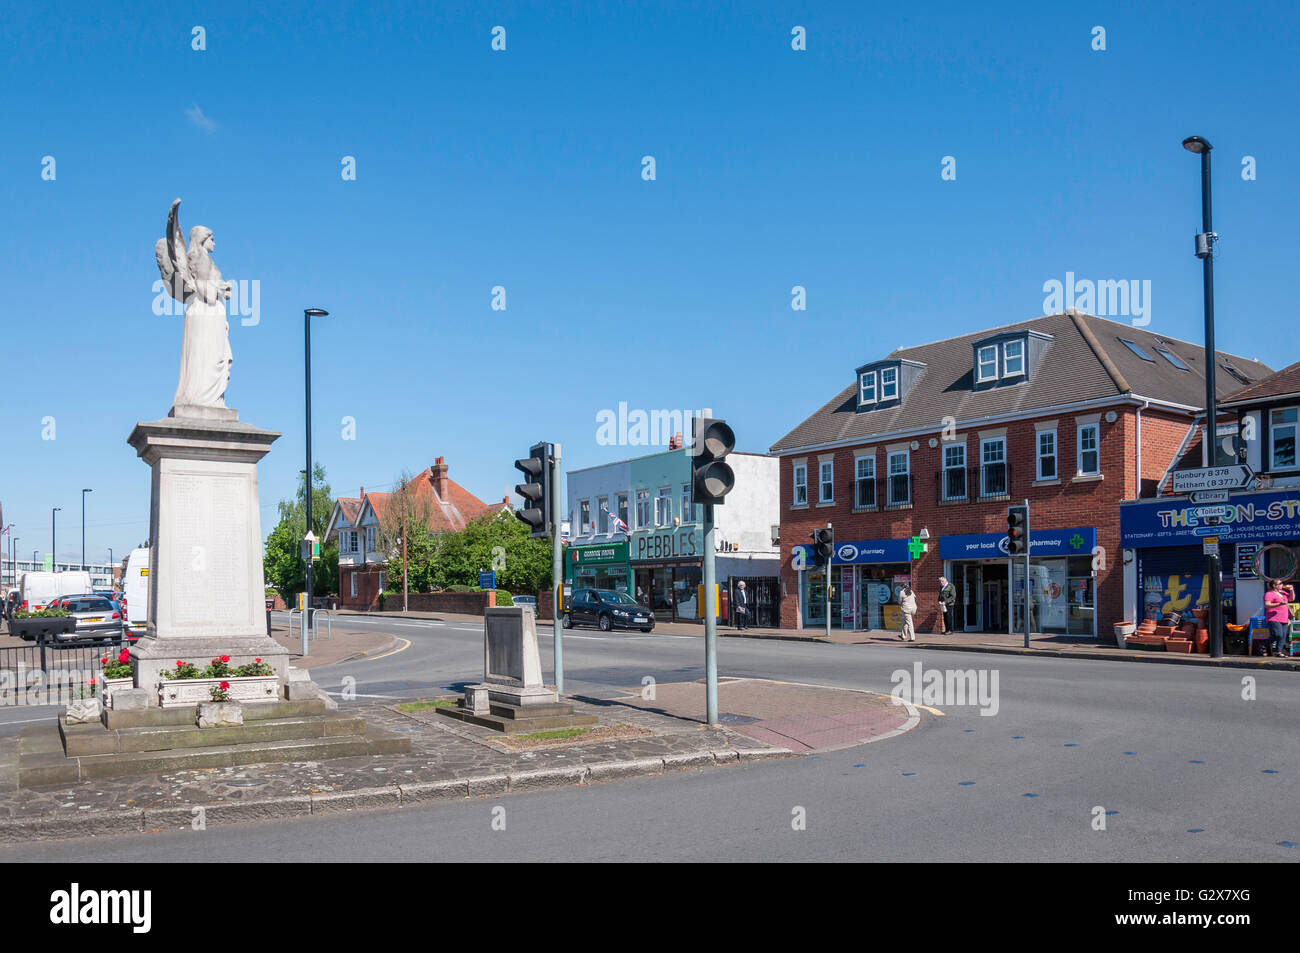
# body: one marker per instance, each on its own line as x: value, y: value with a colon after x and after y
x: 1178, y: 645
x: 42, y: 628
x: 109, y: 684
x: 1202, y: 642
x: 1122, y: 631
x: 180, y: 692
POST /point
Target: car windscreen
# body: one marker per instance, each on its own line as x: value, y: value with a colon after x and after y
x: 90, y: 605
x: 622, y: 598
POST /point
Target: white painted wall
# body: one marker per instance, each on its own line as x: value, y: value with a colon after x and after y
x: 610, y: 480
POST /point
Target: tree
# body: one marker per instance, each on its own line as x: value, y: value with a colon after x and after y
x: 408, y: 514
x: 494, y: 541
x: 283, y: 563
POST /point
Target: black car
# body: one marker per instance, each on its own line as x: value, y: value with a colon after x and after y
x: 607, y: 609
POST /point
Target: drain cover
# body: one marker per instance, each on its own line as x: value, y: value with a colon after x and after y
x: 729, y: 719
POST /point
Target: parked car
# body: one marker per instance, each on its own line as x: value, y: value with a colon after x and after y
x: 607, y: 609
x: 530, y: 601
x: 135, y: 592
x: 97, y: 618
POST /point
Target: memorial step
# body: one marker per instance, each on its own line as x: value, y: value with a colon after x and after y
x: 518, y: 724
x: 96, y: 739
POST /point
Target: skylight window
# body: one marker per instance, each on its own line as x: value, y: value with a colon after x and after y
x: 1172, y: 358
x: 1235, y: 373
x: 1132, y: 346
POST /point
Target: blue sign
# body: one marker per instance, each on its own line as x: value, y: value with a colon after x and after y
x: 1258, y: 517
x: 487, y: 580
x: 862, y: 551
x: 1075, y: 541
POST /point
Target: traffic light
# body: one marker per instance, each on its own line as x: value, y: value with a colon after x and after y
x: 536, y: 490
x: 711, y: 476
x: 823, y: 545
x: 1017, y: 530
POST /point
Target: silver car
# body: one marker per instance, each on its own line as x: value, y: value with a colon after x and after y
x: 97, y: 618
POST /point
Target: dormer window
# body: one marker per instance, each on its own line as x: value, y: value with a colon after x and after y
x: 888, y: 383
x: 867, y: 388
x: 987, y: 367
x: 1013, y: 358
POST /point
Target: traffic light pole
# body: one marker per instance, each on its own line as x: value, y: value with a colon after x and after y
x: 1028, y: 544
x: 829, y: 560
x: 557, y: 567
x: 710, y: 621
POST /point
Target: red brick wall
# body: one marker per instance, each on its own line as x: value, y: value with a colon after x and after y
x: 466, y: 603
x: 1071, y: 503
x: 367, y: 586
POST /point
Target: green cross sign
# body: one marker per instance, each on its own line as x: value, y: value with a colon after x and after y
x: 915, y: 547
x: 1076, y: 541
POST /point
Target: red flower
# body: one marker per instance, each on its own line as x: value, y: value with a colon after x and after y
x: 258, y: 661
x: 179, y: 663
x: 104, y: 660
x: 92, y: 681
x: 124, y: 656
x: 225, y: 686
x: 225, y: 658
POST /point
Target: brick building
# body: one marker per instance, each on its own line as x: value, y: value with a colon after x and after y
x: 358, y: 523
x: 1074, y: 413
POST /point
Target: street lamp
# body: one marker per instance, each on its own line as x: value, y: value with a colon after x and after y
x: 1205, y: 251
x: 307, y: 315
x: 54, y: 550
x: 83, y: 527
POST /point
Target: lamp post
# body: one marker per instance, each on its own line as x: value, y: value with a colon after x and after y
x: 54, y: 549
x: 83, y: 527
x: 13, y: 558
x: 307, y: 315
x: 1205, y: 251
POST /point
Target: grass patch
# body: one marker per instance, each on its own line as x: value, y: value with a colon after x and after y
x: 425, y: 706
x: 556, y: 733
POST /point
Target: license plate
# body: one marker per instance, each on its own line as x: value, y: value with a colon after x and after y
x: 99, y: 619
x: 642, y: 618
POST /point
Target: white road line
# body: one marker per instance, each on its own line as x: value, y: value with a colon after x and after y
x: 359, y: 695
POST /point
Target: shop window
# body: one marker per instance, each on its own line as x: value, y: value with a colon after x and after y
x: 1046, y: 455
x: 1013, y: 359
x: 642, y: 509
x: 900, y: 482
x: 993, y: 467
x: 954, y: 471
x: 801, y: 485
x: 664, y: 507
x: 602, y: 514
x: 826, y: 491
x: 1282, y: 426
x: 865, y: 483
x: 1089, y: 449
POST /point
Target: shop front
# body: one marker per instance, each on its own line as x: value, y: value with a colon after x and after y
x: 866, y: 577
x: 991, y: 585
x: 668, y: 569
x: 1257, y: 535
x: 602, y: 566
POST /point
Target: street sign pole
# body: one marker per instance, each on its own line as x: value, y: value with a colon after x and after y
x: 557, y: 567
x: 710, y: 621
x: 829, y: 560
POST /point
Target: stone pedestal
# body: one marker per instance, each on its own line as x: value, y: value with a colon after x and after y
x: 205, y: 559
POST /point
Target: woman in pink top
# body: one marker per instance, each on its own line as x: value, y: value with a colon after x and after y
x: 1277, y: 613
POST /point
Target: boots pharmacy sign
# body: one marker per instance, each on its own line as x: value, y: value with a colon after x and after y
x: 1254, y: 516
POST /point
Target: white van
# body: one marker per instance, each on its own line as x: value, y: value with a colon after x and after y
x: 38, y: 589
x: 135, y: 587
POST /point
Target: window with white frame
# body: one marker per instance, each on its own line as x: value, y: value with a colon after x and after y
x: 353, y: 584
x: 900, y: 484
x: 826, y: 482
x: 865, y: 482
x: 1013, y: 358
x: 642, y: 509
x: 1046, y: 455
x: 622, y: 508
x: 688, y: 511
x: 867, y: 388
x: 954, y: 471
x: 383, y: 580
x: 602, y: 514
x: 1089, y: 449
x: 801, y: 485
x: 993, y: 466
x: 664, y: 506
x: 888, y: 383
x: 1282, y: 426
x: 584, y: 516
x: 986, y: 368
x: 370, y: 539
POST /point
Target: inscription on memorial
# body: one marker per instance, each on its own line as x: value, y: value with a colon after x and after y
x: 209, y: 583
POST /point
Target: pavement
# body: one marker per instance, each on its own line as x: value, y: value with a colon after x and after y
x: 1040, y: 644
x: 451, y: 759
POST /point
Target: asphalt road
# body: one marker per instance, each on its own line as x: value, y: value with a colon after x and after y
x: 1180, y: 766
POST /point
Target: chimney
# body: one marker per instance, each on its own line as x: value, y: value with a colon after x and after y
x: 675, y: 442
x: 438, y: 477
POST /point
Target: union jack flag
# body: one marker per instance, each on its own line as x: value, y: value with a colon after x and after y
x: 617, y: 523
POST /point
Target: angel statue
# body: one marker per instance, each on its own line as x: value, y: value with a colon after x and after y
x: 194, y: 279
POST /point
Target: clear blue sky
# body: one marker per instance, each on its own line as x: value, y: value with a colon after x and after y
x: 523, y: 169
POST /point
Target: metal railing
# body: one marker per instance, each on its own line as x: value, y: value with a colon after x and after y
x: 53, y: 672
x: 899, y: 490
x: 315, y: 623
x: 978, y: 484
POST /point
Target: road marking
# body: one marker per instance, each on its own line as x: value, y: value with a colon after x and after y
x: 933, y: 711
x: 372, y: 658
x: 24, y: 721
x: 352, y: 695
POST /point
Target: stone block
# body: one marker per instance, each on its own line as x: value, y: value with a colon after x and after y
x: 219, y: 714
x: 624, y: 769
x: 334, y: 802
x: 547, y: 778
x: 129, y: 699
x: 433, y: 790
x: 83, y: 712
x: 476, y: 699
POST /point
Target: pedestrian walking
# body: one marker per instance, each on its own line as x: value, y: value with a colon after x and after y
x: 742, y: 606
x: 947, y: 599
x: 1277, y: 612
x: 907, y: 602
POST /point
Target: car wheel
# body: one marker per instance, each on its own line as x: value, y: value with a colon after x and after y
x: 605, y: 624
x: 649, y: 629
x: 567, y: 621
